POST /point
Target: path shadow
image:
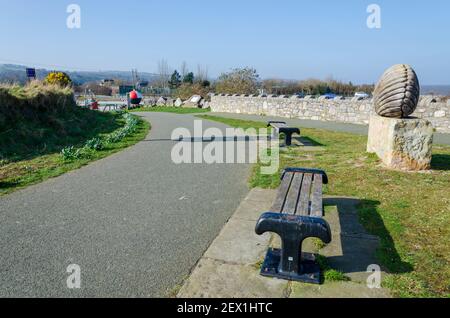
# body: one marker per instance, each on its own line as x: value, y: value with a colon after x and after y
x: 353, y: 249
x: 212, y: 139
x: 307, y: 141
x: 7, y: 185
x: 302, y: 141
x: 440, y: 162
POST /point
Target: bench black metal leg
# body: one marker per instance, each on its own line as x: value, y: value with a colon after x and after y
x: 288, y: 139
x: 288, y: 132
x: 289, y: 262
x: 291, y: 255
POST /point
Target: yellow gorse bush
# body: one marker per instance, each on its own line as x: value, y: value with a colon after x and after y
x: 58, y: 78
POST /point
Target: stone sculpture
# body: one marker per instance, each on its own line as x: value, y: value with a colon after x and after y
x: 400, y: 141
x: 397, y: 93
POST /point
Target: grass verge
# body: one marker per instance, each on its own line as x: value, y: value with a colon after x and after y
x: 410, y: 212
x: 24, y: 169
x: 173, y: 110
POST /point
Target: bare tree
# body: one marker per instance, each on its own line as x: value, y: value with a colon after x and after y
x: 202, y: 73
x: 164, y: 73
x: 184, y: 69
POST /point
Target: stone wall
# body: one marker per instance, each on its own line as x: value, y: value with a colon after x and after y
x: 338, y: 110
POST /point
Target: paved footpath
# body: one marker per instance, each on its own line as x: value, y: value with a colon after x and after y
x: 134, y: 222
x: 439, y: 138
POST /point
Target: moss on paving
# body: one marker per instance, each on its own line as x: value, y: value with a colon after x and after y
x: 410, y: 212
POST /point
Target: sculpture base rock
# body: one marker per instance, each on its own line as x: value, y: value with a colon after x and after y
x: 404, y: 144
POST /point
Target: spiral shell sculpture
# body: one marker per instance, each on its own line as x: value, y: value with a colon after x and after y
x: 397, y: 93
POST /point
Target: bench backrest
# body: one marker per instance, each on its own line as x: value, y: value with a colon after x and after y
x: 300, y: 194
x: 279, y: 125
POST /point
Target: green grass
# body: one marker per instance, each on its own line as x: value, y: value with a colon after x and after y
x: 24, y: 169
x: 410, y: 212
x: 330, y: 274
x: 237, y: 123
x: 173, y: 110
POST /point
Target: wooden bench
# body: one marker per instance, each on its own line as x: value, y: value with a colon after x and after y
x: 297, y: 214
x: 111, y: 107
x: 280, y: 127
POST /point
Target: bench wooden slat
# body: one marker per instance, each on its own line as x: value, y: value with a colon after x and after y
x: 303, y: 204
x: 292, y: 198
x: 316, y: 197
x: 282, y: 193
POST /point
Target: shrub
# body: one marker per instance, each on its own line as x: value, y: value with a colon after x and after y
x: 238, y: 81
x: 58, y: 78
x: 186, y: 91
x: 189, y: 78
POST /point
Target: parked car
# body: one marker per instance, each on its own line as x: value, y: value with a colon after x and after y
x: 362, y: 95
x: 329, y: 96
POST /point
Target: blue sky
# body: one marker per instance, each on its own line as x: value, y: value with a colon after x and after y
x: 292, y: 39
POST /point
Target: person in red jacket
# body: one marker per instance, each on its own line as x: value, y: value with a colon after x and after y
x: 94, y: 105
x: 135, y: 97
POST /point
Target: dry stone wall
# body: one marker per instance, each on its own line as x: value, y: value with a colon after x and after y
x: 338, y: 110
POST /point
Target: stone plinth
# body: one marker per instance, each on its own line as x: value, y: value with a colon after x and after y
x: 404, y: 144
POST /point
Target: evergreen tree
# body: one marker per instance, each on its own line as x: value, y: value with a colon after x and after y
x: 189, y: 78
x: 175, y: 80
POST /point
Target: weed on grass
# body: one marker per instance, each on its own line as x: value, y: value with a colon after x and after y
x: 329, y: 274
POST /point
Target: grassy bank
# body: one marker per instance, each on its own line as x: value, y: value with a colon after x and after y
x: 410, y: 212
x: 38, y: 122
x: 174, y: 110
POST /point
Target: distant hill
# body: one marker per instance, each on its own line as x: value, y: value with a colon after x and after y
x: 16, y: 73
x: 435, y: 90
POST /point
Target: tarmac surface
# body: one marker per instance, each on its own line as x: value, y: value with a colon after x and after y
x: 135, y: 223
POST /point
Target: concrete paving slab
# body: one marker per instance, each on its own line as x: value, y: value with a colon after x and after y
x: 251, y: 210
x: 239, y: 244
x: 262, y: 197
x: 342, y: 213
x: 336, y: 290
x: 215, y: 279
x: 352, y: 249
x: 354, y: 259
